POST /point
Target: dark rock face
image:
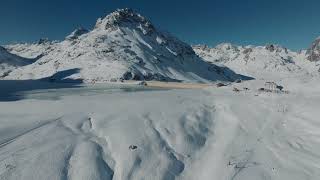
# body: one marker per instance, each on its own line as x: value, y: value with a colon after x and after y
x: 147, y: 77
x: 220, y: 85
x: 2, y: 48
x: 313, y: 53
x: 247, y: 51
x: 133, y: 147
x: 276, y: 48
x: 44, y: 41
x: 124, y: 17
x: 270, y: 47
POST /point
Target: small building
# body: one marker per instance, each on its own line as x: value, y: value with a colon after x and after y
x: 271, y: 85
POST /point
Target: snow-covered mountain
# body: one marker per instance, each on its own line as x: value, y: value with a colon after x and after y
x: 77, y: 33
x: 9, y: 62
x: 123, y: 45
x: 32, y: 50
x: 313, y: 53
x: 270, y: 61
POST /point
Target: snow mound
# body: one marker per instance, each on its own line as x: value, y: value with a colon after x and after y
x: 123, y: 45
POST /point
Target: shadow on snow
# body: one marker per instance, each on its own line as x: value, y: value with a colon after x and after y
x: 12, y: 90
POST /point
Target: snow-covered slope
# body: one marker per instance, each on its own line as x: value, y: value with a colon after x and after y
x: 212, y: 134
x: 77, y: 33
x: 9, y: 62
x: 270, y: 61
x: 123, y: 45
x: 313, y: 52
x: 32, y: 50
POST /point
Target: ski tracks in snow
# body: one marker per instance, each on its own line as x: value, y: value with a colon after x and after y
x: 12, y: 139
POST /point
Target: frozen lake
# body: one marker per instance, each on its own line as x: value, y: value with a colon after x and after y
x: 13, y: 90
x: 84, y: 90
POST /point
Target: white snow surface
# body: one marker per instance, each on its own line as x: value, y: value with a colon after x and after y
x: 207, y: 134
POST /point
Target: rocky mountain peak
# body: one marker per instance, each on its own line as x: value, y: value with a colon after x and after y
x: 313, y: 53
x: 124, y: 17
x: 201, y: 47
x: 227, y: 47
x: 276, y: 48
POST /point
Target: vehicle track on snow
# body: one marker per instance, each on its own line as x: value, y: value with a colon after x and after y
x: 12, y: 139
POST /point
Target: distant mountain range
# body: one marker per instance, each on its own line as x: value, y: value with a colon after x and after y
x: 261, y: 61
x: 9, y: 62
x: 126, y: 46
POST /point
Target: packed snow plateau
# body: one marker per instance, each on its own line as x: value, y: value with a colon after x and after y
x: 104, y: 132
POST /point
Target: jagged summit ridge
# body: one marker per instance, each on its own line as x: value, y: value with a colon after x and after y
x: 77, y: 33
x: 124, y: 17
x: 258, y: 61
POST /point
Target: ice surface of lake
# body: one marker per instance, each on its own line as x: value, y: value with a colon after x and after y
x: 85, y: 90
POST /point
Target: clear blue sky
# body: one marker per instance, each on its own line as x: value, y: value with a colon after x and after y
x: 291, y: 23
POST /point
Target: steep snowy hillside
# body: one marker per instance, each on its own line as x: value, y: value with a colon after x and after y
x: 9, y: 62
x: 77, y: 33
x: 313, y: 52
x: 124, y: 45
x: 271, y: 61
x: 32, y: 50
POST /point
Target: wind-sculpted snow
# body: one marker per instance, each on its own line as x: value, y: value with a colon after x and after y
x: 208, y: 134
x: 122, y: 46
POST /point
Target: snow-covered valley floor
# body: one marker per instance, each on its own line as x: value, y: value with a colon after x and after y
x: 211, y: 133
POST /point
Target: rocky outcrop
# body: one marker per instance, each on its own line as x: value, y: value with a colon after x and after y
x: 313, y: 53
